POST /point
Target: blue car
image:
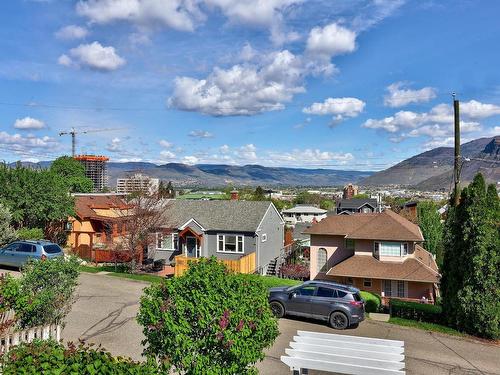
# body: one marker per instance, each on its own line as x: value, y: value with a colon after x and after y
x: 17, y: 253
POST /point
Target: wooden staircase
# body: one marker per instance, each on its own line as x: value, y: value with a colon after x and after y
x: 271, y: 268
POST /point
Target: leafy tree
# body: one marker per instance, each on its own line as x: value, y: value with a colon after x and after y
x: 7, y: 233
x: 307, y: 198
x: 208, y: 321
x: 258, y: 194
x: 36, y: 198
x: 29, y: 234
x: 73, y: 173
x: 45, y: 292
x: 471, y: 265
x: 327, y: 204
x: 166, y: 191
x: 429, y: 221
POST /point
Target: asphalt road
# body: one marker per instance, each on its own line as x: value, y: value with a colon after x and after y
x: 106, y: 307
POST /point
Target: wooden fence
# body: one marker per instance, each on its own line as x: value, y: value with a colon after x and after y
x: 246, y: 264
x: 43, y: 333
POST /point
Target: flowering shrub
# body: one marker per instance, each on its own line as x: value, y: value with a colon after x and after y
x: 295, y: 271
x: 50, y: 357
x: 208, y: 321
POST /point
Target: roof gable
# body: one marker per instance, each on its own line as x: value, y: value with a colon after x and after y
x: 372, y: 226
x: 240, y: 216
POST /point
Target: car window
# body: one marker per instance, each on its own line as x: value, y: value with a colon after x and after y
x: 11, y: 247
x: 52, y: 249
x: 306, y: 290
x: 341, y: 294
x: 357, y: 297
x: 25, y: 248
x: 326, y: 292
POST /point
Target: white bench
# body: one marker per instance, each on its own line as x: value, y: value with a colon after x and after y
x: 344, y: 354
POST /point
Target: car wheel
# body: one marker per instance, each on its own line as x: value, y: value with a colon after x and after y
x: 338, y: 320
x: 277, y: 309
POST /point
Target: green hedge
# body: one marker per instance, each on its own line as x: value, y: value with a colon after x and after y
x: 372, y: 301
x: 416, y: 311
x: 50, y: 357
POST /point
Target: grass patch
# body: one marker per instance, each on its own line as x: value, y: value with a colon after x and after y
x: 273, y: 281
x: 425, y: 326
x: 269, y: 281
x: 121, y: 273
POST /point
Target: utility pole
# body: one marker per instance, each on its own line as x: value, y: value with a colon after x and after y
x: 456, y: 111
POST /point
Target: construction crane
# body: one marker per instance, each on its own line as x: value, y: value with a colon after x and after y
x: 73, y: 132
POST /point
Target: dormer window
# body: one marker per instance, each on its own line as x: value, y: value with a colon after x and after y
x: 390, y: 249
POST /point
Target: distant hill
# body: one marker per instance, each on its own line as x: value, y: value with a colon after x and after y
x: 433, y: 170
x: 213, y: 175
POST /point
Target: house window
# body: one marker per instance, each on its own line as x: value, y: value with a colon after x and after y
x: 367, y: 283
x: 264, y: 237
x: 349, y: 244
x: 401, y: 288
x: 349, y: 281
x: 322, y: 260
x: 228, y: 243
x: 390, y: 249
x: 167, y: 241
x: 387, y: 288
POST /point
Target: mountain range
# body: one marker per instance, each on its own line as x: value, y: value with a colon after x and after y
x: 430, y: 170
x: 433, y: 170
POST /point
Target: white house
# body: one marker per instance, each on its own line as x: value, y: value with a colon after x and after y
x: 303, y: 214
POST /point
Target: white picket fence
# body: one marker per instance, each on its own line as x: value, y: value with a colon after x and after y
x: 52, y: 331
x: 344, y: 354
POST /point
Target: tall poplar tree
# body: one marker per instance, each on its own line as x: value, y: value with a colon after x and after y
x: 429, y: 221
x: 471, y: 266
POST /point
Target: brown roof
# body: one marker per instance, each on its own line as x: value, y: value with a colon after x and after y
x: 85, y: 205
x: 386, y: 225
x: 369, y: 267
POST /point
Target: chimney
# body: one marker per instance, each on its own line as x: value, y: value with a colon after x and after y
x: 234, y: 195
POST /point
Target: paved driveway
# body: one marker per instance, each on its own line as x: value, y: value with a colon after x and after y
x: 105, y: 314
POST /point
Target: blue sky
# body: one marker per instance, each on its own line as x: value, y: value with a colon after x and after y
x: 344, y: 84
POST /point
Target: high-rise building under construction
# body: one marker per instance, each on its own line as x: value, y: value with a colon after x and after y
x: 96, y: 169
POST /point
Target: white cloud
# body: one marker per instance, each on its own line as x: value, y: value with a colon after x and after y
x: 339, y: 107
x: 399, y: 96
x: 93, y: 56
x: 115, y: 145
x: 29, y: 123
x: 71, y: 32
x: 252, y: 12
x: 28, y: 147
x: 176, y: 14
x: 437, y: 125
x: 310, y: 157
x: 247, y: 152
x: 200, y: 134
x: 164, y: 143
x: 247, y: 52
x: 167, y: 155
x: 242, y: 89
x: 331, y: 40
x: 190, y: 159
x: 478, y: 110
x: 224, y: 149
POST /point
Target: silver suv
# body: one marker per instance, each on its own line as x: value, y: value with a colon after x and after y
x: 17, y: 253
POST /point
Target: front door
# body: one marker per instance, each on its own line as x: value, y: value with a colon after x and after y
x: 191, y: 247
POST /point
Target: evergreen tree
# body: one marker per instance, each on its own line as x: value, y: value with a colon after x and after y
x: 471, y: 267
x: 429, y: 221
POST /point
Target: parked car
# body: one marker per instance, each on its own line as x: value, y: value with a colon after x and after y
x: 340, y: 305
x: 17, y: 253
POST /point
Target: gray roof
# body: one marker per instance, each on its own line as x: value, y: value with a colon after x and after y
x: 305, y: 210
x: 237, y: 216
x: 355, y: 203
x: 298, y: 230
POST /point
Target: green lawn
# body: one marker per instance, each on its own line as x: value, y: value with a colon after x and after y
x: 269, y: 281
x: 425, y: 326
x: 121, y: 273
